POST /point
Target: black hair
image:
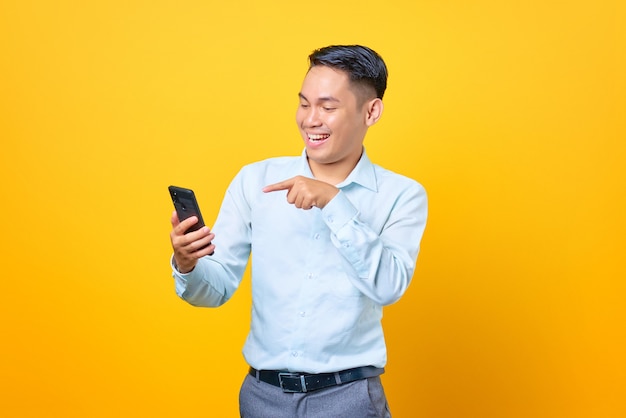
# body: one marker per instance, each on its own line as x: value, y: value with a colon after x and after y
x: 362, y: 64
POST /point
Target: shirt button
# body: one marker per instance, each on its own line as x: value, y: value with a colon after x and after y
x: 330, y: 219
x: 309, y: 276
x: 294, y: 354
x: 302, y: 313
x: 317, y: 236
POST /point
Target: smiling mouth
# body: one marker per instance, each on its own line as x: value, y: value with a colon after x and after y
x: 318, y: 138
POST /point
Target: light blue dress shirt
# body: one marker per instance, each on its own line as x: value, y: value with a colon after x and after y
x: 320, y: 277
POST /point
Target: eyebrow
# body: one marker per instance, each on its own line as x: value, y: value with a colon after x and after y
x: 320, y: 99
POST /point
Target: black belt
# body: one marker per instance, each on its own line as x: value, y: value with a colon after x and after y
x: 304, y: 382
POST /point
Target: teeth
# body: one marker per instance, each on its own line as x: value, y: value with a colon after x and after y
x: 318, y: 137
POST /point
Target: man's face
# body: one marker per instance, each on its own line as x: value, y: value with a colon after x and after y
x: 331, y: 119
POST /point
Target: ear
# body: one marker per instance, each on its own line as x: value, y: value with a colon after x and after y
x: 374, y: 109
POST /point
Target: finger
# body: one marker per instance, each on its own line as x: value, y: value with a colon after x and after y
x: 197, y: 247
x: 306, y: 203
x: 203, y: 234
x: 208, y: 248
x: 283, y: 185
x: 300, y: 201
x: 184, y: 225
x: 187, y: 244
x: 174, y: 219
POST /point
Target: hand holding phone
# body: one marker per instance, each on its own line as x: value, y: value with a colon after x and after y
x: 187, y: 206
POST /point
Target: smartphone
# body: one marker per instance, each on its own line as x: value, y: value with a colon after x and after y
x: 186, y: 206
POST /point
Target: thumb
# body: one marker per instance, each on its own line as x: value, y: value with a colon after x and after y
x: 174, y: 220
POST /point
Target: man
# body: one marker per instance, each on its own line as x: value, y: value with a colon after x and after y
x: 325, y: 261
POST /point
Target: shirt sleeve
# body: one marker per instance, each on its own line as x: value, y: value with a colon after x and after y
x: 203, y: 286
x: 382, y: 263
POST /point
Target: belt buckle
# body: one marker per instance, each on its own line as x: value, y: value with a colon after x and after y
x: 292, y: 376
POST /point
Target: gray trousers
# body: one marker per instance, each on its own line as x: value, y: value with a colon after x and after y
x: 359, y: 399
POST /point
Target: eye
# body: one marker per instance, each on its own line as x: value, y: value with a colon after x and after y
x: 329, y: 109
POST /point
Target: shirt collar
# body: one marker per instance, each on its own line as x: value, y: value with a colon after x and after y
x: 363, y: 173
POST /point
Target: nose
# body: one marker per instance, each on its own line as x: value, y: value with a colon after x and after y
x: 312, y: 117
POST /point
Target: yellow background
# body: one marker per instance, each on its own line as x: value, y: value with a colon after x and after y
x: 511, y: 113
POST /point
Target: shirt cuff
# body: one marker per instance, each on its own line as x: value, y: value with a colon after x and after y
x: 176, y: 273
x: 338, y: 212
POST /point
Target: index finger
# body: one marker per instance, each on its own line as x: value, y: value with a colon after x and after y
x: 283, y: 185
x: 182, y: 226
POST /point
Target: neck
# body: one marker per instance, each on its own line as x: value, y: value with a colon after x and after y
x: 333, y: 173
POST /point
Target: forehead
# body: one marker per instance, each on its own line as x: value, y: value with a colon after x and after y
x: 322, y: 81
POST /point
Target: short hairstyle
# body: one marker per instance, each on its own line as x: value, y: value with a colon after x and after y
x: 362, y: 64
